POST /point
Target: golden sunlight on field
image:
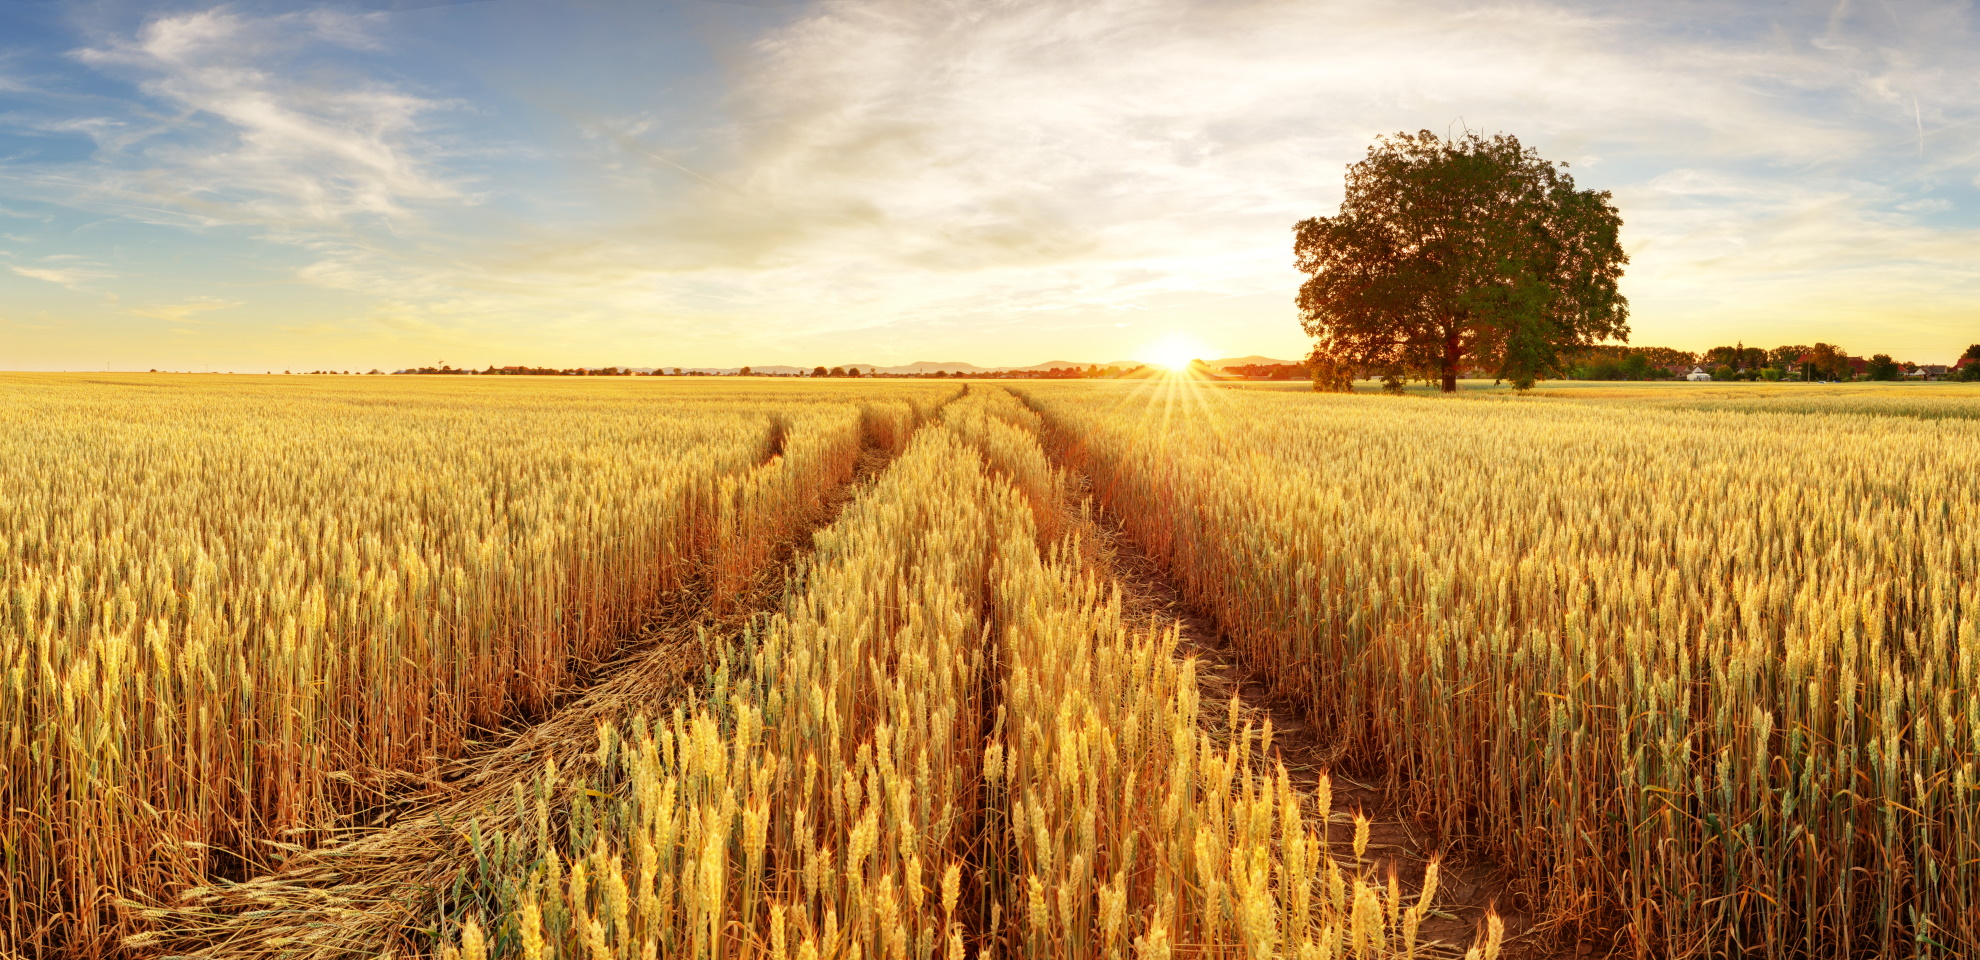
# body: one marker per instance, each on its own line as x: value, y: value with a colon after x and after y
x: 1700, y: 664
x: 516, y: 667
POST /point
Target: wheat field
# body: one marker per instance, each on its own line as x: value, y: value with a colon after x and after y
x: 1695, y: 669
x: 1703, y: 667
x: 240, y: 611
x: 949, y: 728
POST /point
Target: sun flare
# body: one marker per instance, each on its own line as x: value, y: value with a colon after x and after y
x: 1174, y: 352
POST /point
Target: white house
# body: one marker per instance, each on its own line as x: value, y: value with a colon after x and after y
x: 1698, y: 375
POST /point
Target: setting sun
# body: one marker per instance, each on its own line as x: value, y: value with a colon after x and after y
x: 1174, y: 352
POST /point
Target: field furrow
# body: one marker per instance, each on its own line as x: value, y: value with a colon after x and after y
x: 1469, y: 889
x: 835, y: 794
x: 1159, y: 667
x: 246, y: 618
x: 373, y: 893
x: 1703, y: 680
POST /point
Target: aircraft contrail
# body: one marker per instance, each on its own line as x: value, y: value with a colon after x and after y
x: 1918, y: 117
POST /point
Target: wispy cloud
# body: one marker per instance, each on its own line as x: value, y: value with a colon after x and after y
x: 244, y: 135
x: 897, y: 177
x: 989, y: 156
x: 184, y: 311
x: 73, y: 277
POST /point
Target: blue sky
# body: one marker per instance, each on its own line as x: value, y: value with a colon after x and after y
x: 300, y: 186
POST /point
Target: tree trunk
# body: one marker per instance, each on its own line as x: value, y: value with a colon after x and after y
x: 1452, y: 354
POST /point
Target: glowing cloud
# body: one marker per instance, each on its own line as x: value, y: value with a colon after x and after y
x: 887, y: 180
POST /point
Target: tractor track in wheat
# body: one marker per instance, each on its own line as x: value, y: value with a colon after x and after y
x: 372, y: 892
x: 1469, y: 887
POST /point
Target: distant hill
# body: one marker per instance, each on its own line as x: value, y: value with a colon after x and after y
x: 935, y: 366
x: 1250, y: 361
x: 775, y: 369
x: 1054, y: 365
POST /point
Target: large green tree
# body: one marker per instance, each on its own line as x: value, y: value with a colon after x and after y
x: 1448, y: 253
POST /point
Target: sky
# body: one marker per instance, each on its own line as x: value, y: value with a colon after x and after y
x: 379, y: 184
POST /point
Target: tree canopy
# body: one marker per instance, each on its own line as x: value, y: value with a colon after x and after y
x: 1825, y: 361
x: 1448, y: 253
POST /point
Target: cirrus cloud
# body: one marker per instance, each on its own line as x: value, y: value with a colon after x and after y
x: 914, y: 165
x: 894, y: 180
x: 241, y: 135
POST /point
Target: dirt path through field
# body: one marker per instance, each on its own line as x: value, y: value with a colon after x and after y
x: 1467, y: 887
x: 373, y: 895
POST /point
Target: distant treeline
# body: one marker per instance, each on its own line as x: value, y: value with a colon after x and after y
x: 494, y: 371
x: 1819, y: 362
x: 1054, y: 373
x: 1268, y: 371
